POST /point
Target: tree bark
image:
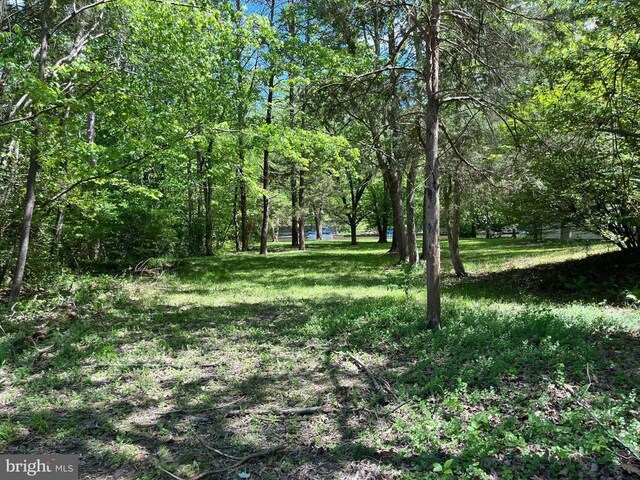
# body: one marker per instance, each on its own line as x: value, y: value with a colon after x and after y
x: 412, y: 242
x: 34, y: 165
x: 397, y: 209
x: 207, y: 187
x: 266, y: 201
x: 294, y: 208
x: 395, y: 171
x: 318, y: 218
x: 301, y: 216
x: 241, y: 112
x: 353, y: 225
x: 190, y: 232
x: 432, y: 185
x: 29, y: 204
x: 57, y: 230
x: 236, y: 232
x: 379, y: 206
x: 452, y: 197
x: 241, y: 199
x: 382, y: 234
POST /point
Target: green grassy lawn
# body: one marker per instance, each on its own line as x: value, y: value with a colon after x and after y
x: 139, y: 374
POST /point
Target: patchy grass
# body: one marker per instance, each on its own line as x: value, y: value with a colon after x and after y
x: 138, y: 374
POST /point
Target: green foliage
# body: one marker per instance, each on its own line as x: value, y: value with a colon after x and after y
x: 584, y: 146
x: 494, y: 391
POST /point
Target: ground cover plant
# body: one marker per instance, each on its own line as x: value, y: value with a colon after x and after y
x: 192, y: 370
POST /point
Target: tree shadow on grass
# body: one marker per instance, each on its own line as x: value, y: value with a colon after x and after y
x: 612, y: 278
x: 492, y: 388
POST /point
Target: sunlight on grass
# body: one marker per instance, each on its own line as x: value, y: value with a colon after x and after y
x: 147, y: 361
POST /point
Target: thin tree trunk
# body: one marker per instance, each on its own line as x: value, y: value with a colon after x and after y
x: 244, y: 221
x: 353, y: 225
x: 57, y: 231
x: 29, y: 204
x: 198, y: 236
x: 432, y: 186
x: 318, y: 218
x: 190, y: 242
x: 392, y: 110
x: 91, y: 136
x: 452, y: 196
x: 266, y: 201
x: 295, y: 221
x: 301, y: 217
x: 399, y: 228
x: 236, y: 232
x: 208, y: 214
x: 294, y: 207
x: 412, y: 242
x: 242, y: 111
x: 34, y: 165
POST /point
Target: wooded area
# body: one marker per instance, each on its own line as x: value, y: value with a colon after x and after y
x: 367, y: 150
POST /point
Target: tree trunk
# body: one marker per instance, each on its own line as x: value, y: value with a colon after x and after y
x: 452, y: 210
x: 29, y: 204
x: 244, y: 221
x: 34, y: 157
x: 266, y: 201
x: 295, y: 221
x: 432, y: 186
x: 294, y: 207
x: 190, y: 232
x: 353, y: 225
x: 236, y: 232
x: 91, y: 136
x: 474, y: 230
x: 301, y: 217
x: 412, y: 241
x: 565, y: 233
x: 379, y: 206
x: 241, y: 114
x: 318, y: 218
x: 394, y: 242
x: 57, y: 230
x: 399, y: 228
x: 207, y: 186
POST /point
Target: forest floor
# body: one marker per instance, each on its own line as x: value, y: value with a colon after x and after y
x: 535, y: 374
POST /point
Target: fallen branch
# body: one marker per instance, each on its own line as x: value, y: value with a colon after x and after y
x: 215, y: 450
x: 608, y: 431
x: 287, y: 411
x: 203, y: 410
x: 382, y: 391
x: 240, y: 462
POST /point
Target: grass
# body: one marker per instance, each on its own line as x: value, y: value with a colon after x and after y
x: 521, y: 382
